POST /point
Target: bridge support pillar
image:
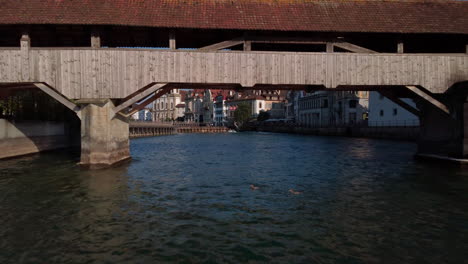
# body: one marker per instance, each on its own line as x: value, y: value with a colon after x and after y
x: 443, y: 135
x: 104, y: 137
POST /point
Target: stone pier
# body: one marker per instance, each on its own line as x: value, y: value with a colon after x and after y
x: 442, y: 135
x: 104, y: 136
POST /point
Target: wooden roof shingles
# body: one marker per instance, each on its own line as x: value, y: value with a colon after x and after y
x: 415, y: 16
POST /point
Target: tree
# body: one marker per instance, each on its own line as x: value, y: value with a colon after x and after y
x: 242, y: 113
x: 263, y: 116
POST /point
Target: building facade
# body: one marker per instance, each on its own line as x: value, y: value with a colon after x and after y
x: 350, y: 107
x: 330, y: 108
x: 383, y: 112
x: 314, y: 109
x: 165, y: 108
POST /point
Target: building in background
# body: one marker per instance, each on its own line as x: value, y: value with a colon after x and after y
x: 256, y: 104
x: 291, y: 104
x: 165, y: 108
x: 330, y: 108
x: 315, y: 109
x: 143, y: 115
x: 271, y: 101
x: 278, y: 110
x: 180, y: 112
x: 383, y: 112
x: 350, y: 107
x: 220, y: 107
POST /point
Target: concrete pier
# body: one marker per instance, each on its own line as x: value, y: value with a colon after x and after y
x: 442, y: 134
x: 104, y: 137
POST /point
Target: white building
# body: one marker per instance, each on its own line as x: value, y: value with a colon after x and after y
x: 220, y: 110
x: 383, y: 112
x: 256, y: 104
x: 143, y: 115
x: 165, y: 107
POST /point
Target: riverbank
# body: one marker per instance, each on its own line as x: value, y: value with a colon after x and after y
x: 29, y: 137
x: 394, y: 133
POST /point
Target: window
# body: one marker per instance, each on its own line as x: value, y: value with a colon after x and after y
x: 325, y: 103
x: 381, y: 113
x: 260, y: 105
x: 352, y: 103
x: 395, y: 111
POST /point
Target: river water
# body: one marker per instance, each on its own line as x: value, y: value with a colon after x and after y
x: 186, y: 199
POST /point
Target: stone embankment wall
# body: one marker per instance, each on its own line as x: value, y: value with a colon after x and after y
x: 397, y: 133
x: 201, y: 129
x: 27, y: 137
x: 151, y: 131
x: 142, y: 129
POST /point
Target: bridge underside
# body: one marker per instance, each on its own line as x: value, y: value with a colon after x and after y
x: 95, y: 72
x: 105, y: 130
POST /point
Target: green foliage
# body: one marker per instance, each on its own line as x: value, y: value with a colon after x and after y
x: 242, y: 113
x: 263, y: 116
x: 31, y: 105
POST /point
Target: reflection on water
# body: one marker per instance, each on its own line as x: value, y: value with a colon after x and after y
x: 186, y: 198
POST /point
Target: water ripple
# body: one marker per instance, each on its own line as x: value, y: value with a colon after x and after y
x: 186, y: 199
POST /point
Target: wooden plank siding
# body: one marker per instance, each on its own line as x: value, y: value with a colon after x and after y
x: 115, y: 73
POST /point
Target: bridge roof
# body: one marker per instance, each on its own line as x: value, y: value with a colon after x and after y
x: 388, y: 16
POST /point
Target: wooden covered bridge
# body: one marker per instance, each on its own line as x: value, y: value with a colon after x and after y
x: 106, y: 59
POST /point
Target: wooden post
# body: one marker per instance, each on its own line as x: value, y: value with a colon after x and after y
x: 95, y: 39
x: 25, y: 44
x: 400, y: 47
x: 247, y: 42
x: 247, y: 45
x: 329, y: 47
x: 466, y: 48
x: 172, y: 40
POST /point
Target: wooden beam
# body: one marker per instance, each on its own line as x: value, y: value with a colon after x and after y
x: 352, y: 47
x: 287, y: 40
x: 428, y: 97
x: 223, y: 44
x: 400, y: 47
x: 248, y: 40
x: 25, y: 45
x: 59, y: 97
x: 172, y: 40
x: 401, y: 103
x: 144, y: 92
x: 151, y: 98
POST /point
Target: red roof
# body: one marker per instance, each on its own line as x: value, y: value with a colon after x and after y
x: 183, y: 95
x: 398, y: 16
